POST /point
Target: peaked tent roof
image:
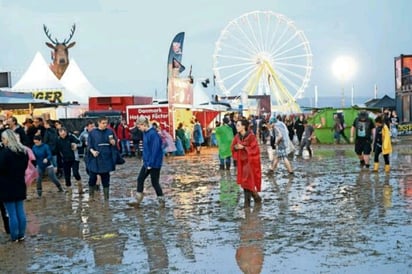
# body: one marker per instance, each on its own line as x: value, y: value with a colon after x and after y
x: 38, y: 77
x: 78, y: 88
x: 384, y: 102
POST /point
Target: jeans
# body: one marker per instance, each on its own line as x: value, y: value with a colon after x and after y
x: 17, y: 219
x: 224, y: 161
x: 154, y: 177
x: 125, y: 145
x: 52, y: 177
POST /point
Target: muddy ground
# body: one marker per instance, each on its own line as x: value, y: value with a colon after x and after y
x: 330, y: 217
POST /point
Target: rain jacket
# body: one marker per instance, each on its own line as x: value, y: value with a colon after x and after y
x: 152, y: 149
x: 249, y: 175
x: 224, y: 136
x: 386, y: 140
x: 106, y: 160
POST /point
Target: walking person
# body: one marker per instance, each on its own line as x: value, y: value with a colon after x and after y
x: 381, y: 144
x: 363, y: 129
x: 13, y: 163
x: 44, y: 164
x: 394, y: 125
x: 152, y: 161
x: 66, y: 147
x: 123, y: 134
x: 197, y: 136
x: 307, y: 137
x: 102, y: 145
x: 137, y: 139
x: 245, y: 150
x: 281, y: 139
x: 224, y: 137
x: 299, y: 127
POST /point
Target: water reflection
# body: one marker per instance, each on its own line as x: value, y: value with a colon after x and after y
x: 249, y: 254
x: 150, y: 228
x: 104, y: 238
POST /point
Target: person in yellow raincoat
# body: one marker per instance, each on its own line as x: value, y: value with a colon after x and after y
x: 382, y: 144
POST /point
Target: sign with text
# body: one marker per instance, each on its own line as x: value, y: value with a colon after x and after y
x: 155, y: 113
x: 53, y: 96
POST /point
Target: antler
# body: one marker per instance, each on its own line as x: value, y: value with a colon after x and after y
x: 46, y: 31
x: 71, y: 34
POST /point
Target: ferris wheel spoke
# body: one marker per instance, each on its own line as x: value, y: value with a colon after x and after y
x: 240, y: 50
x: 288, y: 81
x: 247, y: 70
x: 288, y: 50
x: 240, y: 46
x: 225, y: 67
x: 296, y: 67
x: 275, y: 45
x: 253, y: 34
x: 274, y: 35
x: 242, y: 79
x: 247, y: 38
x: 285, y: 71
x: 285, y: 43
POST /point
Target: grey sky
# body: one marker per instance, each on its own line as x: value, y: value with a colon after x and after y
x: 122, y: 46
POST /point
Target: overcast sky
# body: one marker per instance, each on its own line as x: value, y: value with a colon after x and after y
x: 122, y: 46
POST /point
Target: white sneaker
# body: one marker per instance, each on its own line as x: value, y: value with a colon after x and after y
x: 139, y: 197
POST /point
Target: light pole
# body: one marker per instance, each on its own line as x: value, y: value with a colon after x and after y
x: 343, y: 68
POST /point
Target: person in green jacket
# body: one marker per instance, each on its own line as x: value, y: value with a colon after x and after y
x: 224, y: 137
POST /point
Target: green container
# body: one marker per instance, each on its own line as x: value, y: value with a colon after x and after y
x: 323, y: 122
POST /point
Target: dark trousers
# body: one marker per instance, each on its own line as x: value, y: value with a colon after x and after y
x: 378, y: 151
x: 68, y: 166
x: 154, y: 176
x: 105, y: 178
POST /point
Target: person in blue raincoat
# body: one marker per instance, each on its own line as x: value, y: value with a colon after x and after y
x: 102, y: 159
x: 198, y: 139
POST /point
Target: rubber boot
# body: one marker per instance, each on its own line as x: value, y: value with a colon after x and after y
x: 80, y: 187
x: 387, y: 168
x: 221, y: 167
x: 161, y: 201
x: 228, y: 166
x: 248, y: 195
x: 139, y: 198
x: 375, y: 167
x: 106, y: 193
x: 256, y: 197
x: 39, y: 193
x: 91, y: 191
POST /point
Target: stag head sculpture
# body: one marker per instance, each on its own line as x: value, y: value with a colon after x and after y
x: 60, y: 53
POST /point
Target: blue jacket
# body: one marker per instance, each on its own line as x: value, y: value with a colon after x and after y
x: 152, y: 149
x: 42, y: 152
x: 105, y: 161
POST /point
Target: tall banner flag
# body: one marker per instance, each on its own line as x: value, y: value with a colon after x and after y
x: 174, y: 61
x: 179, y: 90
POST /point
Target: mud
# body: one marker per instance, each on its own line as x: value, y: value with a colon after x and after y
x: 330, y: 217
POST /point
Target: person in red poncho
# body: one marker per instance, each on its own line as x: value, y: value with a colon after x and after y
x: 245, y: 151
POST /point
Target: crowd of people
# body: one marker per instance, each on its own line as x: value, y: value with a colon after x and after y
x: 239, y: 140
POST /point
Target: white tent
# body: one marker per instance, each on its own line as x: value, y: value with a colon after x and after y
x: 78, y: 88
x: 38, y: 77
x: 202, y: 100
x: 199, y: 95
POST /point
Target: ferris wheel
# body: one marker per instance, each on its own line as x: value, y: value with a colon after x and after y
x: 263, y: 53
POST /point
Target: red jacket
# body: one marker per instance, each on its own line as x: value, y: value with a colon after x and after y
x: 249, y: 173
x: 123, y: 134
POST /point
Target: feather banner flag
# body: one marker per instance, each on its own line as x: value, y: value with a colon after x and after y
x: 174, y: 61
